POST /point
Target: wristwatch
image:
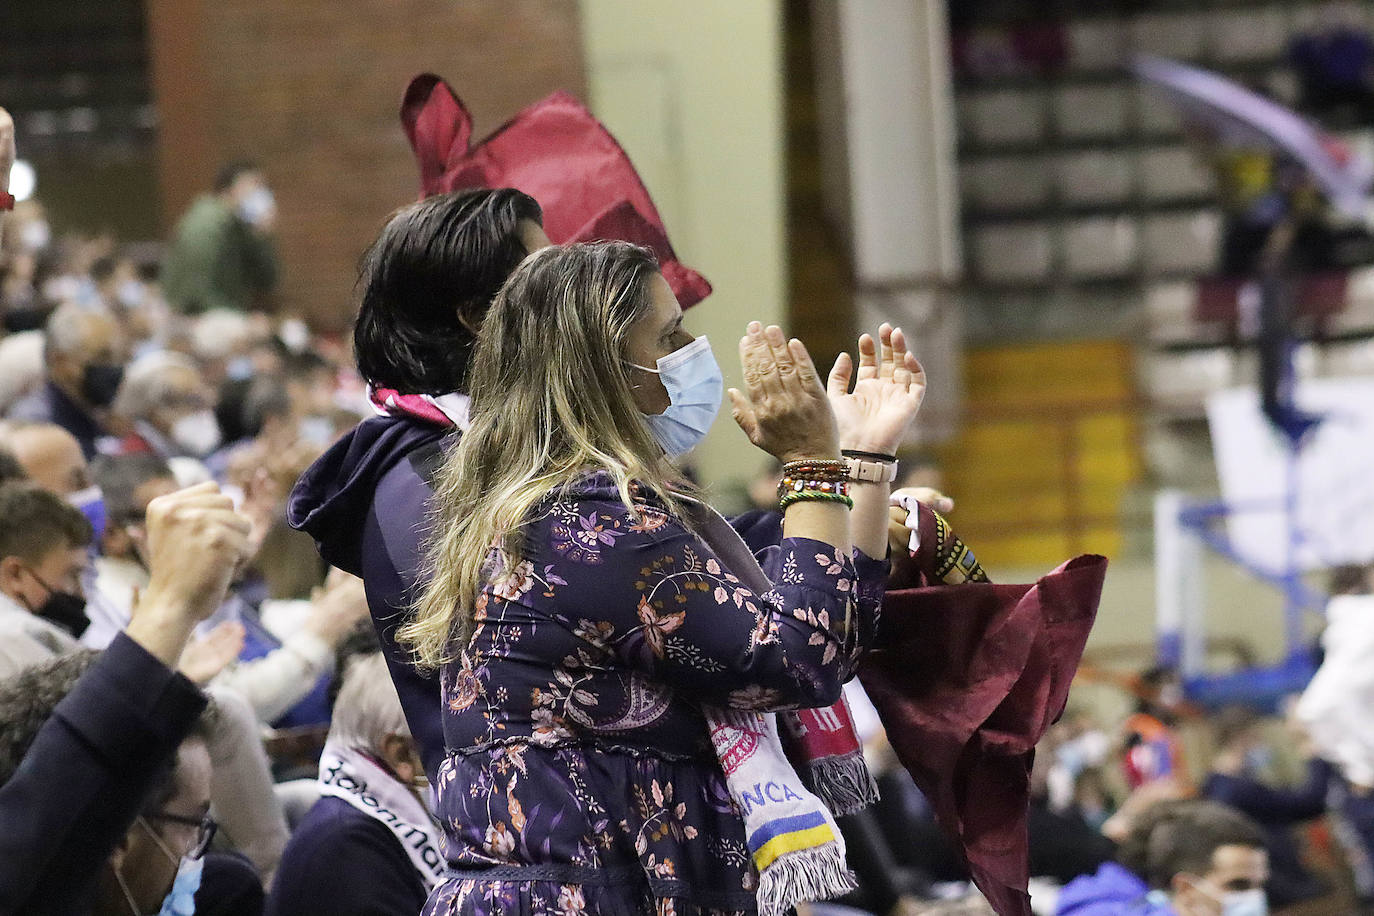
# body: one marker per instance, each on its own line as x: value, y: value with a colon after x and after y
x: 871, y: 471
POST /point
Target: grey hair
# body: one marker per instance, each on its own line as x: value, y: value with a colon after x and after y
x: 219, y: 333
x: 147, y: 383
x: 66, y: 327
x: 367, y: 709
x: 21, y: 366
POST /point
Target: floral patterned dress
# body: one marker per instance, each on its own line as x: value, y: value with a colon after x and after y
x: 580, y: 776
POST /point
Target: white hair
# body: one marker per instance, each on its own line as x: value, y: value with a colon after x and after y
x: 66, y: 329
x: 21, y: 366
x: 148, y: 383
x: 219, y: 334
x: 368, y: 709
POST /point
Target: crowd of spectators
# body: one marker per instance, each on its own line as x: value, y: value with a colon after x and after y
x: 194, y: 712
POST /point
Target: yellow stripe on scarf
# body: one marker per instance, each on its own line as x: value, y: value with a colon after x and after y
x: 784, y: 843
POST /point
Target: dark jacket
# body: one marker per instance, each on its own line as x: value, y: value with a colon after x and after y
x: 342, y: 862
x: 365, y: 502
x: 86, y: 777
x: 50, y: 404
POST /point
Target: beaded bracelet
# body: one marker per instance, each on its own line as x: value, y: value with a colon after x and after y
x: 817, y: 469
x: 813, y: 496
x: 797, y: 484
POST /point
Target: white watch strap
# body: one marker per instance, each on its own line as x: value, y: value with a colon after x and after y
x: 872, y: 471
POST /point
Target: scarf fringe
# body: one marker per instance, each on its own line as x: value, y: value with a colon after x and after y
x: 803, y: 876
x: 843, y: 783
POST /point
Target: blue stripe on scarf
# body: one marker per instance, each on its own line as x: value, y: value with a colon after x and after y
x: 783, y: 825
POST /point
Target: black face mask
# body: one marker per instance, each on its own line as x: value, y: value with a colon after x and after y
x: 100, y: 382
x: 26, y: 318
x: 66, y: 610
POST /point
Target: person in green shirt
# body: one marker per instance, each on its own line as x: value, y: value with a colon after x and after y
x: 222, y: 254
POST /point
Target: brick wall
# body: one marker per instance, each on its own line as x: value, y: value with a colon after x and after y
x: 310, y: 88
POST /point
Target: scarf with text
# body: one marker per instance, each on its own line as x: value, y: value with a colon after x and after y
x: 353, y: 776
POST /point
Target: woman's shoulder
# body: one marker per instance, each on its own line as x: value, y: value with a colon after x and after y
x: 598, y: 491
x: 582, y: 519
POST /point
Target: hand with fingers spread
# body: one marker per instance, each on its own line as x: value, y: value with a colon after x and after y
x: 877, y: 414
x: 206, y: 656
x: 783, y: 409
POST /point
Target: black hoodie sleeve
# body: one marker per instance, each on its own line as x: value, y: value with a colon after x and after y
x: 86, y: 777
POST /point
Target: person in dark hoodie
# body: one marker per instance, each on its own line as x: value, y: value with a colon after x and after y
x: 426, y: 283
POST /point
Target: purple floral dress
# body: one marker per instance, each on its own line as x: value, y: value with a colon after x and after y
x: 580, y: 776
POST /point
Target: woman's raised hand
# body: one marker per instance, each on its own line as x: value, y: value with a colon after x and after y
x: 877, y: 415
x: 783, y: 409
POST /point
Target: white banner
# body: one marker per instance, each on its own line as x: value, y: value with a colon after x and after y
x: 1335, y: 475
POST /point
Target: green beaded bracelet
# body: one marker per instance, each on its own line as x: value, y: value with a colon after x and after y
x: 813, y: 496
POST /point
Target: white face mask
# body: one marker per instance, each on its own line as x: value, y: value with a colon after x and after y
x: 198, y: 433
x: 695, y: 388
x: 256, y: 205
x: 35, y: 235
x: 1252, y: 902
x: 131, y: 293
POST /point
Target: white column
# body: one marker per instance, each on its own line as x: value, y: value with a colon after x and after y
x: 890, y: 173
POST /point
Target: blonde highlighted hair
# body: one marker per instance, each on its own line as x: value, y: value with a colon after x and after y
x: 551, y: 401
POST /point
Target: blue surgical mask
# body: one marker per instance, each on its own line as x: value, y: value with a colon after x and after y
x: 695, y: 388
x: 91, y: 502
x: 181, y: 899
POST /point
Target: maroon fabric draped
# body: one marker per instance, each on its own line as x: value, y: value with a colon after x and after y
x: 966, y: 679
x: 557, y: 152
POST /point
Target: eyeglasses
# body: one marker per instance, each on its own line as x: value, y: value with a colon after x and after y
x: 205, y: 829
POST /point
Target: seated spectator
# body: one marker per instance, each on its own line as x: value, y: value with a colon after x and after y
x: 21, y: 367
x: 274, y: 675
x: 162, y: 859
x: 50, y: 456
x: 78, y: 778
x: 22, y: 309
x: 43, y: 554
x: 169, y: 408
x: 1186, y: 858
x: 1151, y: 749
x: 1237, y: 780
x: 369, y: 845
x: 1063, y: 845
x: 83, y: 364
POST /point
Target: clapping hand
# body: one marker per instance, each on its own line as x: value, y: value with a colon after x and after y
x: 783, y: 409
x: 887, y: 393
